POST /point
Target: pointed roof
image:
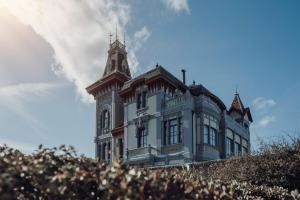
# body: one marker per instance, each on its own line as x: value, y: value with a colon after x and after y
x: 238, y: 106
x: 116, y: 69
x: 237, y: 103
x: 117, y: 59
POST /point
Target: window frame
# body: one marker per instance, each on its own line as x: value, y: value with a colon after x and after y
x: 206, y: 134
x: 141, y: 137
x: 213, y: 136
x: 172, y: 133
x: 229, y: 146
x: 141, y: 100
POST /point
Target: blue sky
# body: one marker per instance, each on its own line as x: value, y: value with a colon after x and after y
x: 51, y: 51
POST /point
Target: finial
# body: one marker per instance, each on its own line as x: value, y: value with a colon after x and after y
x: 194, y: 82
x: 116, y: 31
x: 236, y: 90
x: 124, y: 40
x: 110, y: 35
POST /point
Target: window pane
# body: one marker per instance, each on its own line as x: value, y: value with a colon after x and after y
x: 179, y: 130
x: 173, y: 131
x: 165, y: 133
x: 141, y: 138
x: 236, y: 149
x: 228, y: 146
x: 144, y: 99
x: 138, y: 102
x: 205, y: 136
x: 213, y: 136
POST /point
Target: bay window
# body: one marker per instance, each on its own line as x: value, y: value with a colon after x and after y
x: 206, y: 134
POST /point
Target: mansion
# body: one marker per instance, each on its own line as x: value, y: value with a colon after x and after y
x: 155, y: 119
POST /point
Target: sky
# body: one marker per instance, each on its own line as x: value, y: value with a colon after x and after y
x: 52, y: 50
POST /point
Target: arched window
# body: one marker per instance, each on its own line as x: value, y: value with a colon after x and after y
x: 105, y: 120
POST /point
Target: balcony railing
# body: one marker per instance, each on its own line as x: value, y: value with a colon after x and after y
x: 176, y: 101
x: 172, y: 148
x: 142, y: 152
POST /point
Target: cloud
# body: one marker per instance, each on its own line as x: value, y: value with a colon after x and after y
x: 266, y: 120
x: 15, y: 97
x: 139, y: 38
x: 262, y: 105
x: 78, y: 32
x: 177, y: 5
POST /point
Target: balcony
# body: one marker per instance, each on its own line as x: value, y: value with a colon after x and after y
x: 175, y: 102
x: 142, y: 153
x: 174, y: 148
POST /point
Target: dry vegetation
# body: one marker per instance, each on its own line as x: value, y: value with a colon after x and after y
x: 274, y: 173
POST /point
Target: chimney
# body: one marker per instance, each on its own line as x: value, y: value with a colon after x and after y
x: 183, y: 75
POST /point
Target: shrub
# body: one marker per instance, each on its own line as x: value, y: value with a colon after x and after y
x: 61, y: 174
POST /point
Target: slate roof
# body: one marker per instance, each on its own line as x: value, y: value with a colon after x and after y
x: 237, y: 105
x: 197, y: 90
x: 156, y: 72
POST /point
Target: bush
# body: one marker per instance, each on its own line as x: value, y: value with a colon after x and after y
x: 274, y: 165
x: 60, y: 174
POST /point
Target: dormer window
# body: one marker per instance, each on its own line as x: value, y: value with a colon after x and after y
x: 141, y: 100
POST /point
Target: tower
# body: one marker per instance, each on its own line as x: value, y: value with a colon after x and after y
x: 109, y: 105
x: 239, y: 113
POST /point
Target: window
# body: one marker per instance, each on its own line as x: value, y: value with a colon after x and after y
x: 236, y: 149
x: 198, y: 130
x: 108, y: 151
x: 172, y: 131
x: 213, y: 136
x: 141, y: 137
x: 244, y: 151
x: 99, y: 152
x: 166, y: 130
x: 141, y: 100
x: 106, y: 119
x: 173, y: 138
x: 103, y: 151
x: 206, y: 134
x: 229, y: 146
x: 144, y: 95
x: 120, y: 141
x: 179, y: 130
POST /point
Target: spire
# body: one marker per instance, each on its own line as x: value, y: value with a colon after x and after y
x: 124, y: 40
x: 116, y: 31
x: 237, y: 103
x: 117, y: 58
x: 110, y: 35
